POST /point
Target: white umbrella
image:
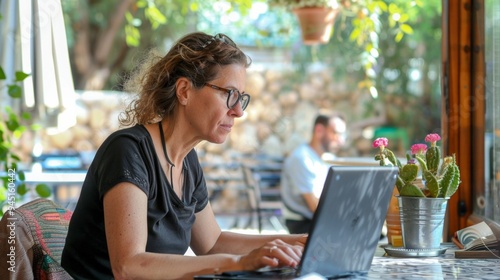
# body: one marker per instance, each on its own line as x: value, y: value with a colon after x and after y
x: 35, y: 43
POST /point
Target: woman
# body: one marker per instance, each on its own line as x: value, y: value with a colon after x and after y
x: 144, y: 200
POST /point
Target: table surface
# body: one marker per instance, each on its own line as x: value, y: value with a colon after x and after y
x: 445, y: 266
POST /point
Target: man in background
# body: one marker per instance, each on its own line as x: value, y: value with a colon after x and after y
x: 304, y: 172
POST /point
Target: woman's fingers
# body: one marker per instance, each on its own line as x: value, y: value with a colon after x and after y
x: 273, y: 254
x: 286, y: 254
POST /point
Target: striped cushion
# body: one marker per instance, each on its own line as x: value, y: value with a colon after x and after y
x: 48, y: 224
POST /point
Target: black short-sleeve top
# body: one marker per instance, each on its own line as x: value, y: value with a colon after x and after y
x: 128, y: 155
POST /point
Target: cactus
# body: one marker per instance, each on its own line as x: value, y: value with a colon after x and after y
x: 441, y: 176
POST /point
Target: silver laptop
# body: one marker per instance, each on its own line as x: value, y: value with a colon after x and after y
x: 346, y: 226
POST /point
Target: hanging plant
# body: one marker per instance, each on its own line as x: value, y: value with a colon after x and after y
x: 316, y: 18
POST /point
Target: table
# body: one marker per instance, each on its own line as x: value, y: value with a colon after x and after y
x: 445, y: 266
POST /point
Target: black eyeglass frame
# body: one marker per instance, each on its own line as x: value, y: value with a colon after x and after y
x: 243, y: 98
x: 221, y: 38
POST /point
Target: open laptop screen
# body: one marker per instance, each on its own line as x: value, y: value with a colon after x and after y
x: 346, y: 225
x: 348, y: 221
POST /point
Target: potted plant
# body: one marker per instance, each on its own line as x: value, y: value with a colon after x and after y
x: 424, y: 184
x: 316, y: 17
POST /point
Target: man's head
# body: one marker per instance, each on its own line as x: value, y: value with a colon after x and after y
x: 329, y: 132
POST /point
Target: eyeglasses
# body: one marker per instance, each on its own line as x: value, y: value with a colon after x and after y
x: 221, y: 38
x: 233, y: 97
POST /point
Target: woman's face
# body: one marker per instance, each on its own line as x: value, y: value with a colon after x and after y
x: 208, y: 113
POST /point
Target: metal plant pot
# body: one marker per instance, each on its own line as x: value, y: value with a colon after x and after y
x: 422, y: 221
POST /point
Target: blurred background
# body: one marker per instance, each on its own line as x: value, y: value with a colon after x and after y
x: 380, y: 68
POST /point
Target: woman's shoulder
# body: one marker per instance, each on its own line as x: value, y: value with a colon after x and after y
x: 137, y: 132
x: 131, y: 136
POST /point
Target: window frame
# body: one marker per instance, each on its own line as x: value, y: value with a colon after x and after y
x: 463, y: 99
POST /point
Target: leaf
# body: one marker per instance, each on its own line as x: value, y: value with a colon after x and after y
x: 141, y: 3
x: 19, y: 131
x: 155, y: 16
x: 21, y: 175
x: 409, y: 172
x: 411, y: 190
x: 3, y: 194
x: 16, y: 158
x: 393, y: 8
x: 26, y: 116
x: 455, y: 182
x: 404, y: 18
x: 4, y: 151
x: 399, y: 37
x: 36, y: 127
x: 390, y: 155
x: 43, y: 190
x: 399, y: 184
x: 21, y: 189
x: 392, y: 23
x: 406, y: 28
x: 133, y: 36
x: 2, y: 74
x: 20, y: 76
x: 12, y: 124
x: 382, y: 5
x: 447, y: 180
x: 433, y: 158
x: 421, y: 161
x: 15, y: 91
x: 355, y: 34
x: 129, y: 17
x: 431, y: 183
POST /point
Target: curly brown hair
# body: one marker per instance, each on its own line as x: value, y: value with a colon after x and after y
x: 196, y: 56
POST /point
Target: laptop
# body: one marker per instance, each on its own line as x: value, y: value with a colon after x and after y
x: 346, y: 226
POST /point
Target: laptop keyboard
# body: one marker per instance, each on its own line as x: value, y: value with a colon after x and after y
x: 264, y: 273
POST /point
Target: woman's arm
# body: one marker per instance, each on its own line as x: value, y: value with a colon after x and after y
x: 125, y: 212
x: 207, y: 238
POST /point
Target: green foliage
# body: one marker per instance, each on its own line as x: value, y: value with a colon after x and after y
x: 376, y: 46
x: 11, y: 128
x: 431, y: 183
x: 294, y: 4
x: 408, y: 172
x: 150, y: 12
x: 433, y: 158
x: 411, y: 190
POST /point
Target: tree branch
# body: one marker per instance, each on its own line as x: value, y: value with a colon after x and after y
x: 105, y: 40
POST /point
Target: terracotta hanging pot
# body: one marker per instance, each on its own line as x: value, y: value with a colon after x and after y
x: 316, y: 24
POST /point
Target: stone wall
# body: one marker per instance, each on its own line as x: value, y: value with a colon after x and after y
x: 278, y: 118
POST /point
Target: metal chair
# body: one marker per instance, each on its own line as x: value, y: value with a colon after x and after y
x: 262, y: 181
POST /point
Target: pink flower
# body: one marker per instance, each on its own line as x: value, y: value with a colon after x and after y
x: 418, y: 149
x: 432, y: 138
x: 380, y: 142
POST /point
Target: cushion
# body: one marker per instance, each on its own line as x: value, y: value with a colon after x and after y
x: 40, y: 232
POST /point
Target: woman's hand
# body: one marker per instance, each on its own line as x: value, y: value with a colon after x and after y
x: 276, y: 253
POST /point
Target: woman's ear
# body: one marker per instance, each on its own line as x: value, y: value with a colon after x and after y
x: 183, y: 89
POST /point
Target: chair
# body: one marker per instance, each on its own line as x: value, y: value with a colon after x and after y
x: 35, y: 233
x: 262, y: 182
